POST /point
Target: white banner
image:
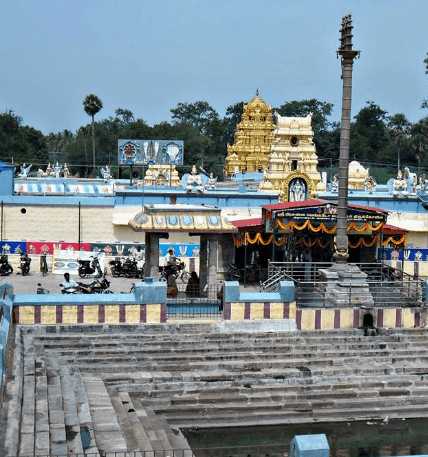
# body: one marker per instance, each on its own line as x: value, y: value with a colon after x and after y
x: 67, y: 261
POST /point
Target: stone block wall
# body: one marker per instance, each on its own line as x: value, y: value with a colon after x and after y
x: 348, y: 318
x: 239, y: 311
x: 67, y: 314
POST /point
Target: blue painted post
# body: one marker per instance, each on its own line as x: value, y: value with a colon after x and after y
x: 309, y: 446
x: 287, y: 291
x: 151, y: 291
x: 231, y: 291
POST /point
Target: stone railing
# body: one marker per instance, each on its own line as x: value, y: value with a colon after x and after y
x: 147, y: 304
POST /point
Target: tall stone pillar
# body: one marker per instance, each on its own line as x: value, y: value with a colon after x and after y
x: 151, y: 267
x: 203, y: 261
x: 212, y: 266
x: 226, y: 255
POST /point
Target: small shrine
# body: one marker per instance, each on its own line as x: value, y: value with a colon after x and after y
x: 253, y: 137
x: 162, y: 175
x: 358, y: 175
x: 293, y: 160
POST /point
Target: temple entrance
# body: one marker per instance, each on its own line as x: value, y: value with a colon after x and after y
x: 368, y: 321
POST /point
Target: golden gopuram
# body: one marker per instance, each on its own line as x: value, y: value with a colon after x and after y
x: 253, y: 138
x: 282, y: 147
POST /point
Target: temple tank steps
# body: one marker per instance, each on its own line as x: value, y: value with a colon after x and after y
x: 134, y: 388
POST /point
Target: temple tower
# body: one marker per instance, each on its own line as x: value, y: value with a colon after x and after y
x: 293, y: 159
x: 253, y: 138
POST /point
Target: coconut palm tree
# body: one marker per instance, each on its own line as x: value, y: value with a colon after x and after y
x: 92, y: 105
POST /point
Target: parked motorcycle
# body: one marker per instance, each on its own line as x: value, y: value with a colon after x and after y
x: 95, y: 287
x: 126, y: 267
x: 100, y: 286
x: 89, y: 268
x: 5, y: 267
x: 178, y: 270
x: 24, y: 264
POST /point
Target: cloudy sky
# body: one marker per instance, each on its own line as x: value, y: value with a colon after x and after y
x: 148, y: 55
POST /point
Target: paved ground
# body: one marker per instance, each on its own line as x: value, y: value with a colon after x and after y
x: 28, y: 284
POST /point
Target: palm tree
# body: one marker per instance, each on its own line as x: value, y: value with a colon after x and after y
x: 92, y: 105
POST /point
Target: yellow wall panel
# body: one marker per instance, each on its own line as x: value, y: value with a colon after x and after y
x: 346, y: 318
x: 132, y: 314
x: 90, y: 315
x: 237, y: 311
x: 327, y: 319
x: 48, y: 315
x: 308, y: 319
x: 26, y: 315
x: 69, y: 314
x: 257, y: 310
x: 292, y: 310
x: 276, y: 310
x: 408, y: 318
x: 389, y: 318
x: 111, y: 314
x: 153, y: 313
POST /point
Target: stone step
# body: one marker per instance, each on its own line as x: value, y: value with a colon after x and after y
x: 108, y: 435
x: 279, y: 417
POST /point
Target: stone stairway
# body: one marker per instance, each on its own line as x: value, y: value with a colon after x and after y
x: 100, y: 388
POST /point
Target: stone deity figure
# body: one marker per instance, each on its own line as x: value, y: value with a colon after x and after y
x: 66, y: 171
x: 212, y: 182
x: 297, y: 191
x: 106, y: 173
x: 370, y: 184
x: 400, y: 182
x: 194, y: 181
x: 23, y: 173
x: 57, y: 170
x: 335, y: 184
x: 49, y: 170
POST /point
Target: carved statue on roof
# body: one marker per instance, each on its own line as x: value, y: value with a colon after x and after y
x: 212, y: 182
x: 66, y: 171
x: 370, y: 184
x: 106, y: 173
x: 194, y: 181
x: 57, y: 170
x: 24, y: 170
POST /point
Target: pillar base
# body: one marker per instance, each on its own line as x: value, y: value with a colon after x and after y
x: 345, y: 285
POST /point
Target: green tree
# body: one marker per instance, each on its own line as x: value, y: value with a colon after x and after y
x: 198, y: 114
x: 231, y: 120
x: 21, y: 143
x: 92, y: 105
x: 399, y: 129
x: 369, y: 135
x: 419, y: 142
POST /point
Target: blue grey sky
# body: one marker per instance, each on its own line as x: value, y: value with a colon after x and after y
x: 148, y: 55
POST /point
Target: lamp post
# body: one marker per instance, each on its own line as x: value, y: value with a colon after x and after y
x: 347, y: 55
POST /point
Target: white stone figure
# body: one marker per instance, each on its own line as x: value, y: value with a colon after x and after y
x: 57, y: 170
x: 212, y: 182
x: 194, y: 181
x: 400, y: 184
x: 66, y: 171
x: 49, y: 170
x: 411, y: 180
x: 335, y: 184
x: 297, y: 191
x: 370, y: 184
x: 106, y: 173
x: 24, y: 170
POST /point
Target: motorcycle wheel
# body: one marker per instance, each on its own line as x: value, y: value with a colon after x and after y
x: 82, y: 274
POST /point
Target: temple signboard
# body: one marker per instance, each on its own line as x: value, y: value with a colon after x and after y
x: 150, y: 152
x: 329, y: 214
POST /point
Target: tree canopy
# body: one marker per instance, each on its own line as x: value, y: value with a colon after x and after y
x: 376, y: 136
